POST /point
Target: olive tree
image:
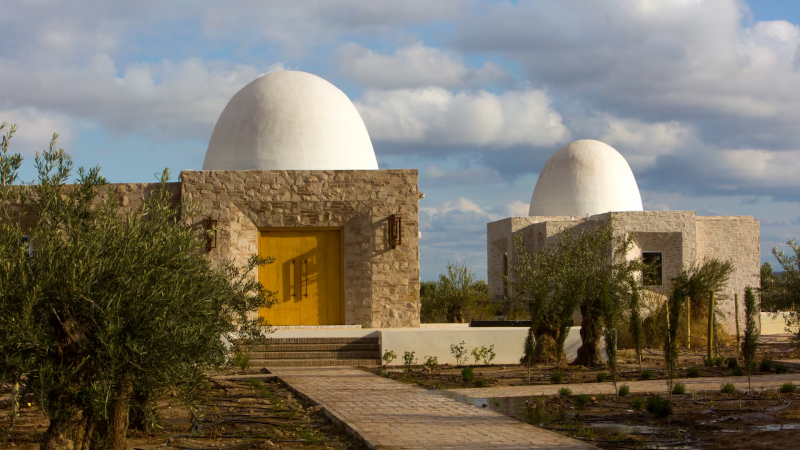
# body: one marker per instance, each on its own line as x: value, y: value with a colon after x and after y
x: 95, y: 305
x: 454, y: 297
x: 784, y: 290
x: 750, y: 344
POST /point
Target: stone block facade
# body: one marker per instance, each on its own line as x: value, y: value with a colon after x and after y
x: 381, y: 283
x: 682, y: 237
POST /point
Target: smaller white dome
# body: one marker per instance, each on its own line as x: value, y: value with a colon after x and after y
x: 585, y: 177
x: 290, y: 121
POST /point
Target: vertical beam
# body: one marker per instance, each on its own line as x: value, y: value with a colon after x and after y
x: 736, y: 313
x: 688, y: 322
x: 710, y: 352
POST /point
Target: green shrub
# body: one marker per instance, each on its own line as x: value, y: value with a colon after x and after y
x: 787, y: 388
x: 718, y: 362
x: 388, y: 357
x: 467, y: 374
x: 459, y: 352
x: 679, y: 389
x: 624, y: 390
x: 557, y: 377
x: 765, y: 366
x: 480, y: 383
x: 733, y: 363
x: 384, y: 374
x: 255, y: 383
x: 737, y: 371
x: 431, y: 362
x: 659, y: 406
x: 728, y: 388
x: 581, y: 400
x: 638, y: 403
x: 693, y: 372
x: 647, y: 374
x: 780, y: 368
x: 602, y: 376
x: 565, y: 392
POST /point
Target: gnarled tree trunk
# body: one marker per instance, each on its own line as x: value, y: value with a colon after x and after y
x: 589, y: 352
x: 66, y: 432
x: 118, y: 422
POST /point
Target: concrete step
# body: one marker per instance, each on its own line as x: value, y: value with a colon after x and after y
x: 321, y: 340
x: 311, y: 347
x: 313, y: 362
x: 315, y: 355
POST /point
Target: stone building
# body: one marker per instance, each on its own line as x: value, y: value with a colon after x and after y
x: 290, y: 173
x: 587, y: 182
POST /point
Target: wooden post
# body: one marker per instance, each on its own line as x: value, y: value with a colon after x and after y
x: 688, y: 322
x: 736, y: 313
x: 710, y: 352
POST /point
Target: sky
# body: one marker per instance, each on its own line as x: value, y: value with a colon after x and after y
x: 702, y: 97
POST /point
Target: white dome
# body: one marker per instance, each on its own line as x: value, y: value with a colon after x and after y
x: 290, y: 121
x: 585, y: 177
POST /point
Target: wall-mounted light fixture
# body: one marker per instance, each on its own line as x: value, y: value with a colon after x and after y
x: 210, y: 225
x: 395, y: 231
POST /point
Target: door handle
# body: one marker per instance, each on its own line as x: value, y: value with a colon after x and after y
x: 292, y: 279
x: 305, y: 278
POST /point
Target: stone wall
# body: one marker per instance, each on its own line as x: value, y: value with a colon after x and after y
x: 381, y: 284
x: 736, y: 239
x: 682, y: 237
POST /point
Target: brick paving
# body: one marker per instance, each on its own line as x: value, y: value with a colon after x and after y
x: 650, y: 386
x: 387, y: 414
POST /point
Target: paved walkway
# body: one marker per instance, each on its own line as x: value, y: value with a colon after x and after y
x: 390, y: 415
x: 650, y: 386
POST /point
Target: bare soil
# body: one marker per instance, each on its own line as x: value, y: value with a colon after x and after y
x: 652, y: 368
x: 235, y: 413
x: 707, y: 420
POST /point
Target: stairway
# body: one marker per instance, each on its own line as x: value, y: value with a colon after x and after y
x: 304, y: 352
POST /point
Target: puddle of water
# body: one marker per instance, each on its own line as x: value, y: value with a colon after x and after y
x: 778, y: 426
x: 517, y: 407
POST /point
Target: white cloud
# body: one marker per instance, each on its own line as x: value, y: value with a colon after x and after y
x: 479, y: 118
x: 181, y: 100
x: 35, y: 129
x: 518, y: 209
x: 414, y: 66
x: 642, y: 142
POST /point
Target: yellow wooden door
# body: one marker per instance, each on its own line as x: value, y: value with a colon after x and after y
x: 307, y: 274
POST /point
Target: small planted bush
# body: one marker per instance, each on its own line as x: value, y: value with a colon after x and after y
x: 765, y: 366
x: 409, y: 360
x: 388, y: 357
x: 480, y: 383
x: 565, y: 392
x: 581, y: 400
x: 647, y: 374
x: 728, y: 388
x: 679, y: 389
x: 780, y: 368
x: 467, y: 374
x: 788, y: 388
x: 658, y: 406
x: 459, y: 352
x: 624, y: 390
x: 737, y: 371
x: 557, y: 377
x: 693, y: 372
x: 602, y: 376
x: 718, y: 362
x: 733, y: 363
x: 431, y: 362
x: 638, y: 403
